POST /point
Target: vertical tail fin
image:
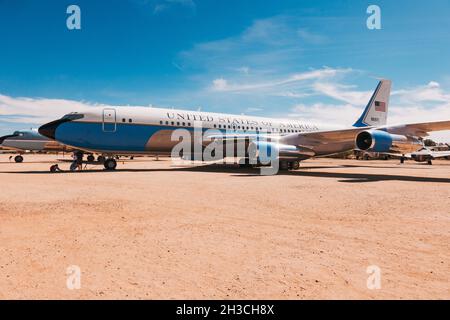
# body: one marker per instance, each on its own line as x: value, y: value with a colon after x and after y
x: 375, y: 113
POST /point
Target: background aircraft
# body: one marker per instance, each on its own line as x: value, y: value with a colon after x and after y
x: 133, y: 130
x: 423, y: 155
x: 30, y: 140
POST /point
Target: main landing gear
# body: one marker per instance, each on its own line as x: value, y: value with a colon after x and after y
x: 18, y: 159
x: 289, y: 165
x: 110, y: 164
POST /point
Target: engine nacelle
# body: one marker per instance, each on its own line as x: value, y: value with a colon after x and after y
x: 382, y: 141
x: 265, y: 152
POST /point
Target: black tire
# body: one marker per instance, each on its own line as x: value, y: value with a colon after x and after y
x: 402, y: 160
x: 101, y: 159
x: 90, y: 158
x: 110, y: 164
x: 430, y: 162
x: 295, y: 165
x: 18, y: 159
x: 284, y: 165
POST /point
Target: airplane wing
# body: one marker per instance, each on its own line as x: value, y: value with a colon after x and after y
x: 315, y: 138
x: 398, y: 155
x: 417, y: 129
x: 334, y: 136
x: 440, y: 154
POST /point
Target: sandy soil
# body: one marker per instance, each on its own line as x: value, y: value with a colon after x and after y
x: 154, y: 230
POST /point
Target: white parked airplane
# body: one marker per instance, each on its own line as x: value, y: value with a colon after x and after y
x: 423, y: 155
x: 138, y: 130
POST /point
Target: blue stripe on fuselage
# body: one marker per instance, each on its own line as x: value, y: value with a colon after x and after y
x: 90, y: 135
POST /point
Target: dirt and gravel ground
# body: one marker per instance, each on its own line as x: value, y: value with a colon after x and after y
x: 155, y: 230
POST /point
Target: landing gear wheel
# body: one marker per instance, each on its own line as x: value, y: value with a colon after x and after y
x: 402, y: 160
x: 90, y: 158
x: 101, y: 159
x: 18, y: 159
x: 110, y: 164
x: 430, y: 162
x: 284, y: 165
x: 295, y: 165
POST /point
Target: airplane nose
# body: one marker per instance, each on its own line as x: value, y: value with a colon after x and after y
x: 48, y: 130
x: 2, y: 139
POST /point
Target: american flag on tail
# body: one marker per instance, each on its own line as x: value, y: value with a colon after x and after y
x: 380, y: 106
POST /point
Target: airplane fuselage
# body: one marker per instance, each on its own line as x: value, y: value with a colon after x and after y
x: 138, y: 130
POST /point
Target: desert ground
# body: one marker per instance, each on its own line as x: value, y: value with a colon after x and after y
x: 164, y: 230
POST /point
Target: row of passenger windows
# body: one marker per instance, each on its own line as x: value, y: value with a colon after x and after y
x: 220, y: 126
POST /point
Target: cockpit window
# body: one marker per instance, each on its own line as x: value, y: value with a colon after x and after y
x: 73, y: 116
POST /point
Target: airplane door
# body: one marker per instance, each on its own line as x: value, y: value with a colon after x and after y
x: 109, y: 120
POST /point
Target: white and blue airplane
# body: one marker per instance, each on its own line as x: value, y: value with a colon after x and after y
x: 138, y: 130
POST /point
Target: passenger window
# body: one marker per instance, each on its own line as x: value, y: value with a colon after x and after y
x: 130, y: 121
x: 124, y: 120
x: 184, y: 124
x: 167, y: 123
x: 172, y: 123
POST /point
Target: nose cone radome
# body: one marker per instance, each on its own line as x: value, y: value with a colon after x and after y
x: 48, y: 130
x: 2, y: 139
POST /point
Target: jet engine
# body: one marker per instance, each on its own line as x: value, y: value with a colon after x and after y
x: 382, y: 141
x: 265, y: 152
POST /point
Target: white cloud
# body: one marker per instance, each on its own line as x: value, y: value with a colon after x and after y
x: 419, y: 104
x: 37, y: 110
x: 432, y: 92
x: 253, y: 109
x: 326, y: 114
x: 276, y: 42
x: 342, y: 93
x: 311, y: 37
x: 222, y: 84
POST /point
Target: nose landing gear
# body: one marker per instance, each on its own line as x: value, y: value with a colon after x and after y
x: 18, y: 159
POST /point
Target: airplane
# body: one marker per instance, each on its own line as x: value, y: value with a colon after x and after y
x: 423, y: 155
x: 30, y: 140
x: 141, y: 130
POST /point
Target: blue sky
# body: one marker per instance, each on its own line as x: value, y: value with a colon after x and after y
x: 313, y: 60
